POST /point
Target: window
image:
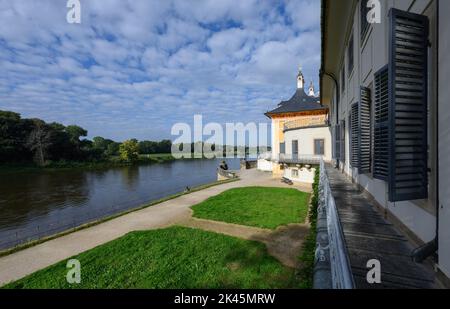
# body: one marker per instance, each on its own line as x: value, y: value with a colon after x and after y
x: 343, y: 79
x: 364, y: 23
x: 294, y: 173
x: 295, y: 148
x: 319, y: 147
x: 350, y: 55
x: 282, y: 148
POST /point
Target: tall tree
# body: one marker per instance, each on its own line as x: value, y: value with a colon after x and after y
x: 165, y: 146
x: 75, y: 133
x: 9, y: 115
x: 39, y: 140
x: 61, y: 147
x: 129, y: 150
x: 112, y: 149
x: 14, y: 132
x: 99, y: 142
x: 148, y: 147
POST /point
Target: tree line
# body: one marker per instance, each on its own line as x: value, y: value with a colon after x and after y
x: 33, y: 140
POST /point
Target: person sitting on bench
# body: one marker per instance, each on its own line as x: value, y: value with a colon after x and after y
x: 287, y: 181
x: 224, y: 166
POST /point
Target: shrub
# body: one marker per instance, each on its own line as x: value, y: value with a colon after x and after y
x: 306, y: 271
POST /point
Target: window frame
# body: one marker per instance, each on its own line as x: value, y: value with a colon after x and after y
x: 323, y: 146
x: 283, y: 148
x: 296, y: 142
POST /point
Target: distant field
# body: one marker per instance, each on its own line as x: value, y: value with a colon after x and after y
x: 175, y: 257
x: 256, y: 206
x: 156, y: 155
x: 113, y: 161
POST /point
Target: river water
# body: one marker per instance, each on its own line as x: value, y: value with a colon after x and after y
x: 41, y: 203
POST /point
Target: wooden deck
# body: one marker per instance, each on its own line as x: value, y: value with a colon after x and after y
x: 369, y: 236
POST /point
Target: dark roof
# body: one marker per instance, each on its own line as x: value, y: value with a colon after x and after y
x: 300, y: 102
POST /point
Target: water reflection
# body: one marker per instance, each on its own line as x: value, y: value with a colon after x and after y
x: 26, y: 196
x: 51, y: 201
x: 130, y: 176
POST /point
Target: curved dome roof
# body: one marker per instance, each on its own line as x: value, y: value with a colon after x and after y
x: 299, y: 102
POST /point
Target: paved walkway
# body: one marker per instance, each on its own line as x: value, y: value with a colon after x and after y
x: 175, y: 211
x: 369, y: 236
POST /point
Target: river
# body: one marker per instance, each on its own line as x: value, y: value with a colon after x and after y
x: 42, y: 203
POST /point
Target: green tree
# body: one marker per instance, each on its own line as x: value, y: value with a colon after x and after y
x: 165, y: 146
x: 14, y: 132
x: 62, y: 147
x: 147, y: 147
x: 129, y: 150
x: 99, y: 143
x: 9, y: 115
x: 75, y: 133
x: 112, y: 149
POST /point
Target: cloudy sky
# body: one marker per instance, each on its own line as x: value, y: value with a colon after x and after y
x: 134, y: 68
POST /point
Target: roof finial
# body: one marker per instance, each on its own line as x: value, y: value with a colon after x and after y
x: 300, y: 78
x: 311, y: 92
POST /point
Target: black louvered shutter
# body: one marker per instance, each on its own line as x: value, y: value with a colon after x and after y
x: 354, y: 135
x: 342, y: 140
x: 381, y: 125
x: 365, y: 125
x: 408, y: 70
x: 337, y: 140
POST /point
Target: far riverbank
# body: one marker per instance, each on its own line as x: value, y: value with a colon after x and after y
x: 108, y: 163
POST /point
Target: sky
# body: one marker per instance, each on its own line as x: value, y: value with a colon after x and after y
x: 134, y: 68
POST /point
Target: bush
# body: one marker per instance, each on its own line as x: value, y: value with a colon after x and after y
x: 306, y: 273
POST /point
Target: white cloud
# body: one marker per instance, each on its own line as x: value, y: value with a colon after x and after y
x: 144, y: 65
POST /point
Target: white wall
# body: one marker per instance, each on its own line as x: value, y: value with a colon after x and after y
x: 265, y: 165
x: 417, y: 219
x: 444, y: 139
x: 306, y: 137
x: 304, y: 175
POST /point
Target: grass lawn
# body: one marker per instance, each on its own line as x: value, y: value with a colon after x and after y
x: 175, y: 257
x: 256, y: 206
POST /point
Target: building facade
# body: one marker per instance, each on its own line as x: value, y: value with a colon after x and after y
x: 385, y: 84
x: 300, y: 135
